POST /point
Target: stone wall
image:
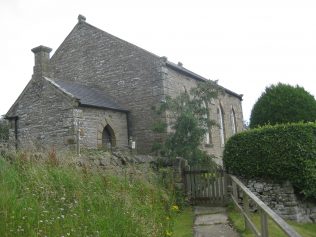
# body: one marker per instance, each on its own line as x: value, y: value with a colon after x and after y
x: 45, y: 117
x: 136, y: 78
x: 282, y: 199
x: 93, y: 121
x: 176, y: 83
x: 129, y: 74
x: 3, y: 145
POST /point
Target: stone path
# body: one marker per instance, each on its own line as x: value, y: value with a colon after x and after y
x: 212, y: 222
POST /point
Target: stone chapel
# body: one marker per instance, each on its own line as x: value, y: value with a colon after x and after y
x: 102, y: 89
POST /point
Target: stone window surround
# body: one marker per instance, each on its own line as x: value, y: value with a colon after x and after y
x: 220, y: 113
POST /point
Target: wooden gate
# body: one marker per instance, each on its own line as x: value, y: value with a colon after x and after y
x: 205, y: 186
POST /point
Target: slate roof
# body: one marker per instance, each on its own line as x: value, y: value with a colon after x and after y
x: 88, y: 96
x: 187, y: 72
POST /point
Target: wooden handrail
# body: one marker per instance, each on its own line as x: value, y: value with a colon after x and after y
x: 265, y: 211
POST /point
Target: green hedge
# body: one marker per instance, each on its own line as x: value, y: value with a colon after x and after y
x: 278, y: 153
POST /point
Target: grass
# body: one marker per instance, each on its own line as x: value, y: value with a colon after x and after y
x: 305, y: 230
x: 50, y: 199
x: 183, y: 225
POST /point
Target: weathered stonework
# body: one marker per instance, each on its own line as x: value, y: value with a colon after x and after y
x: 282, y: 199
x: 126, y: 72
x: 176, y: 83
x: 47, y: 113
x: 92, y: 123
x: 44, y: 117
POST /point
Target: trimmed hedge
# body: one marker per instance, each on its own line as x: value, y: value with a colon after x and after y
x: 278, y: 153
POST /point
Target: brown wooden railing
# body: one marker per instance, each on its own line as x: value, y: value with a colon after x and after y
x: 265, y: 211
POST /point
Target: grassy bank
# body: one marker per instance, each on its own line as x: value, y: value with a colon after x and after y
x: 183, y: 225
x: 54, y: 200
x: 305, y: 230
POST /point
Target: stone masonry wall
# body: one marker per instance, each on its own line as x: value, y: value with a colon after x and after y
x: 136, y: 78
x: 93, y: 121
x: 282, y: 199
x: 176, y: 83
x: 132, y: 76
x: 45, y: 117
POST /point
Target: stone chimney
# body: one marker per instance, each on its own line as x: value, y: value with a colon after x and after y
x: 41, y: 67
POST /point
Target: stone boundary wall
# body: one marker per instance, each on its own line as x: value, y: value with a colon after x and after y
x: 282, y: 199
x: 3, y: 145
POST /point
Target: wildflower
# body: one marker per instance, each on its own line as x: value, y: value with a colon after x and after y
x: 168, y: 233
x: 175, y: 208
x: 62, y: 216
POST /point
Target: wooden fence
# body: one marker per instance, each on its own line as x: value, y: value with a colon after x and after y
x: 205, y: 186
x: 209, y: 186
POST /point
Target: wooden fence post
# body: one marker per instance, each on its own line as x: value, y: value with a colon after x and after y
x: 235, y: 193
x: 246, y: 208
x: 264, y: 224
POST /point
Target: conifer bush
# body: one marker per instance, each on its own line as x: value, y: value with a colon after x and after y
x: 283, y: 103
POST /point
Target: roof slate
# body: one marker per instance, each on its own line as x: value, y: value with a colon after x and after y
x: 88, y: 96
x: 198, y: 77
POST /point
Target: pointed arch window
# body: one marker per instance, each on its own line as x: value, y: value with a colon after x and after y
x: 233, y: 121
x: 207, y: 136
x: 221, y: 125
x: 108, y: 137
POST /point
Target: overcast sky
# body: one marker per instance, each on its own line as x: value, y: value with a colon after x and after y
x: 246, y: 45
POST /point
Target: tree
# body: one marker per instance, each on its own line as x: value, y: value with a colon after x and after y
x: 188, y: 115
x: 283, y: 103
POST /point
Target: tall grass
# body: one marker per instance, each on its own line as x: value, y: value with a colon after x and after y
x: 48, y: 199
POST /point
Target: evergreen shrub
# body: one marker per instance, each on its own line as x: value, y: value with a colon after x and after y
x: 285, y: 152
x: 283, y: 103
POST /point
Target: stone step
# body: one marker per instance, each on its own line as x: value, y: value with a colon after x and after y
x: 221, y: 230
x: 212, y: 222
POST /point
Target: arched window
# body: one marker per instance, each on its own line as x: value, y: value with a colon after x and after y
x: 221, y: 125
x: 233, y: 121
x: 108, y: 137
x: 207, y: 137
